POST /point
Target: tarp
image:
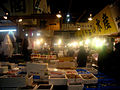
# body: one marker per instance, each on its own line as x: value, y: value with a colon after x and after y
x: 7, y: 46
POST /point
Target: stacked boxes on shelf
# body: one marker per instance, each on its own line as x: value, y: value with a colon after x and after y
x: 57, y: 77
x: 38, y: 69
x: 74, y: 80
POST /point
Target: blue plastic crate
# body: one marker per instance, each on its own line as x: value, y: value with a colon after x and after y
x: 82, y: 71
x: 22, y: 72
x: 36, y: 77
x: 110, y: 88
x: 92, y: 88
x: 107, y: 80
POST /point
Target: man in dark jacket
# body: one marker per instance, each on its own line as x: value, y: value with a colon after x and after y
x: 82, y: 57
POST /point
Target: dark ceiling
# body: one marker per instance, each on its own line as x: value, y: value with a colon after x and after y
x: 78, y: 8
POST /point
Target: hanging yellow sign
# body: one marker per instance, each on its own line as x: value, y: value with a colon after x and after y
x: 103, y: 24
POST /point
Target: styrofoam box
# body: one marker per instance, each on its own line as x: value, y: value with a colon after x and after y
x: 58, y: 81
x: 75, y: 87
x: 79, y: 80
x: 71, y: 72
x: 94, y: 80
x: 4, y: 63
x: 9, y: 89
x: 30, y: 80
x: 75, y: 80
x: 22, y: 68
x: 13, y: 65
x: 13, y: 81
x: 71, y: 80
x: 29, y: 88
x: 45, y: 87
x: 56, y: 72
x: 91, y: 70
x: 39, y: 72
x: 65, y: 64
x: 4, y: 69
x: 37, y: 66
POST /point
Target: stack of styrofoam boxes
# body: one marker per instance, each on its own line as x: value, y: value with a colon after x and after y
x: 73, y: 76
x: 57, y: 77
x: 74, y: 80
x: 38, y: 69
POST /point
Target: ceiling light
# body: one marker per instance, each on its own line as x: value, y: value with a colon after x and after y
x: 90, y: 18
x: 78, y: 28
x: 59, y: 15
x: 5, y: 17
x: 20, y: 20
x: 38, y: 34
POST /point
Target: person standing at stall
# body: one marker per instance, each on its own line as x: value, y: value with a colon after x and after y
x: 82, y: 57
x: 25, y: 51
x: 115, y: 65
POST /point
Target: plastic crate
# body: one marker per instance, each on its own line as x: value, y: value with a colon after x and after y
x: 107, y: 80
x: 110, y: 88
x: 82, y: 71
x: 36, y: 77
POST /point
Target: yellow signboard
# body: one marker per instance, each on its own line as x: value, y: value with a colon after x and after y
x: 103, y: 24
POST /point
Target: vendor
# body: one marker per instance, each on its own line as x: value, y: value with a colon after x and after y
x: 82, y: 57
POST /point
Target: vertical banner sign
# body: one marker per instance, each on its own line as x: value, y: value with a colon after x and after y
x: 104, y: 23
